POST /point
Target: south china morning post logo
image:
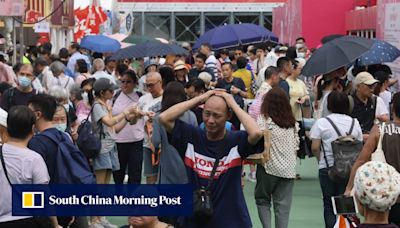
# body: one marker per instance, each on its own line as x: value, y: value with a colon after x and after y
x: 102, y: 200
x: 117, y: 200
x: 32, y: 200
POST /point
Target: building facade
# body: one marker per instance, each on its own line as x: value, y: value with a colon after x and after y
x: 186, y: 20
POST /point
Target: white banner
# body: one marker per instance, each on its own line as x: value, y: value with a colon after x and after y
x: 42, y: 27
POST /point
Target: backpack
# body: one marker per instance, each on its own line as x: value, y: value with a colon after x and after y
x: 345, y: 151
x: 87, y: 141
x: 72, y: 166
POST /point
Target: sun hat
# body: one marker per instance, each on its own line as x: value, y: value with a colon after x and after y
x: 377, y: 185
x: 364, y: 78
x: 102, y: 84
x: 179, y: 65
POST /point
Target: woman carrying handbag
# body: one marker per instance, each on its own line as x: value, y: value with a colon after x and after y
x: 383, y: 145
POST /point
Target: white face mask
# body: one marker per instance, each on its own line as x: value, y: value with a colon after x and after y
x: 85, y: 97
x: 66, y: 106
x: 301, y: 55
x: 61, y: 127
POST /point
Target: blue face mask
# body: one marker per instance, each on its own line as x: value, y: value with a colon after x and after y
x: 24, y: 81
x: 61, y: 127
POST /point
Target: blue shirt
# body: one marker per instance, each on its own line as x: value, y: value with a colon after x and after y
x: 199, y: 153
x: 72, y: 61
x: 285, y: 86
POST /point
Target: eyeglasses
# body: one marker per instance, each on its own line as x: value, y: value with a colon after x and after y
x: 126, y: 82
x: 151, y: 84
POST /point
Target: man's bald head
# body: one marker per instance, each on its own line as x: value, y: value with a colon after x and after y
x: 154, y: 76
x: 215, y: 115
x: 217, y: 101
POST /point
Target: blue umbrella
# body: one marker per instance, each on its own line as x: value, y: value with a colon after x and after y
x: 100, y: 43
x: 228, y: 36
x: 380, y: 52
x: 149, y: 49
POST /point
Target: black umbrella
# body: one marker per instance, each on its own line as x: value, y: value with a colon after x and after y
x: 328, y: 38
x: 336, y: 54
x: 148, y: 49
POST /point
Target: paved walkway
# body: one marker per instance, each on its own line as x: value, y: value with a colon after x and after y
x: 306, y: 209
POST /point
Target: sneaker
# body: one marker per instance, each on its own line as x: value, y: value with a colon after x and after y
x: 106, y: 224
x: 126, y: 178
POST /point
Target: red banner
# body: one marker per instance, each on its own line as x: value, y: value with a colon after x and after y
x: 88, y: 21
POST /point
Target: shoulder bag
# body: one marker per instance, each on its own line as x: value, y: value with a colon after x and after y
x: 378, y: 154
x: 202, y: 202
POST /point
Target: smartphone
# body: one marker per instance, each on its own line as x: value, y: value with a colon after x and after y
x: 344, y: 205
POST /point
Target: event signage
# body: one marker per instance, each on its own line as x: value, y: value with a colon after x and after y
x: 102, y: 200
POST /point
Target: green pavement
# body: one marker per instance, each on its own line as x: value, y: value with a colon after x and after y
x: 306, y: 211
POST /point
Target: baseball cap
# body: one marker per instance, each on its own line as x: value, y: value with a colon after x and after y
x: 179, y: 65
x: 364, y: 78
x: 150, y: 62
x: 377, y: 185
x: 104, y: 84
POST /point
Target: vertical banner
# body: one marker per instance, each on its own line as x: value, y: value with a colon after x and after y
x: 388, y: 29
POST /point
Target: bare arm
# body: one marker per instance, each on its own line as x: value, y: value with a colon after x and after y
x: 119, y: 121
x: 364, y: 156
x: 249, y: 124
x: 316, y: 147
x: 168, y: 117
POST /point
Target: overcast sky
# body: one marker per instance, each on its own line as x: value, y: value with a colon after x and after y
x: 104, y: 3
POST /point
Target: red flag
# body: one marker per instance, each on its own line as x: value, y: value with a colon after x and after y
x: 88, y: 21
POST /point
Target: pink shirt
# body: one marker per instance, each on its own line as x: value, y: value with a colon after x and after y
x: 82, y: 111
x: 130, y: 133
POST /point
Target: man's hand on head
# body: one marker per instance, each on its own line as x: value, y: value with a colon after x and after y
x: 204, y: 97
x: 230, y: 101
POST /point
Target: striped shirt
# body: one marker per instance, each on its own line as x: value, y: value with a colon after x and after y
x: 211, y: 63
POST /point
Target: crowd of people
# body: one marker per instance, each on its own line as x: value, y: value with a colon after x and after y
x: 167, y: 119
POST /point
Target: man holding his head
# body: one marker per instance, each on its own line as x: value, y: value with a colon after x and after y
x: 199, y: 148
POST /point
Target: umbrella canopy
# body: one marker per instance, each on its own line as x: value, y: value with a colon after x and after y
x: 228, y: 36
x: 120, y: 37
x: 100, y: 43
x: 328, y: 38
x: 149, y: 49
x: 136, y: 39
x: 381, y: 52
x: 335, y: 54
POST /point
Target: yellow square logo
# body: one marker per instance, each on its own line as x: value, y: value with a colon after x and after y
x: 33, y: 200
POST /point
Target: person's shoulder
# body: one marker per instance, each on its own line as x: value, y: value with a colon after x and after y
x: 211, y: 58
